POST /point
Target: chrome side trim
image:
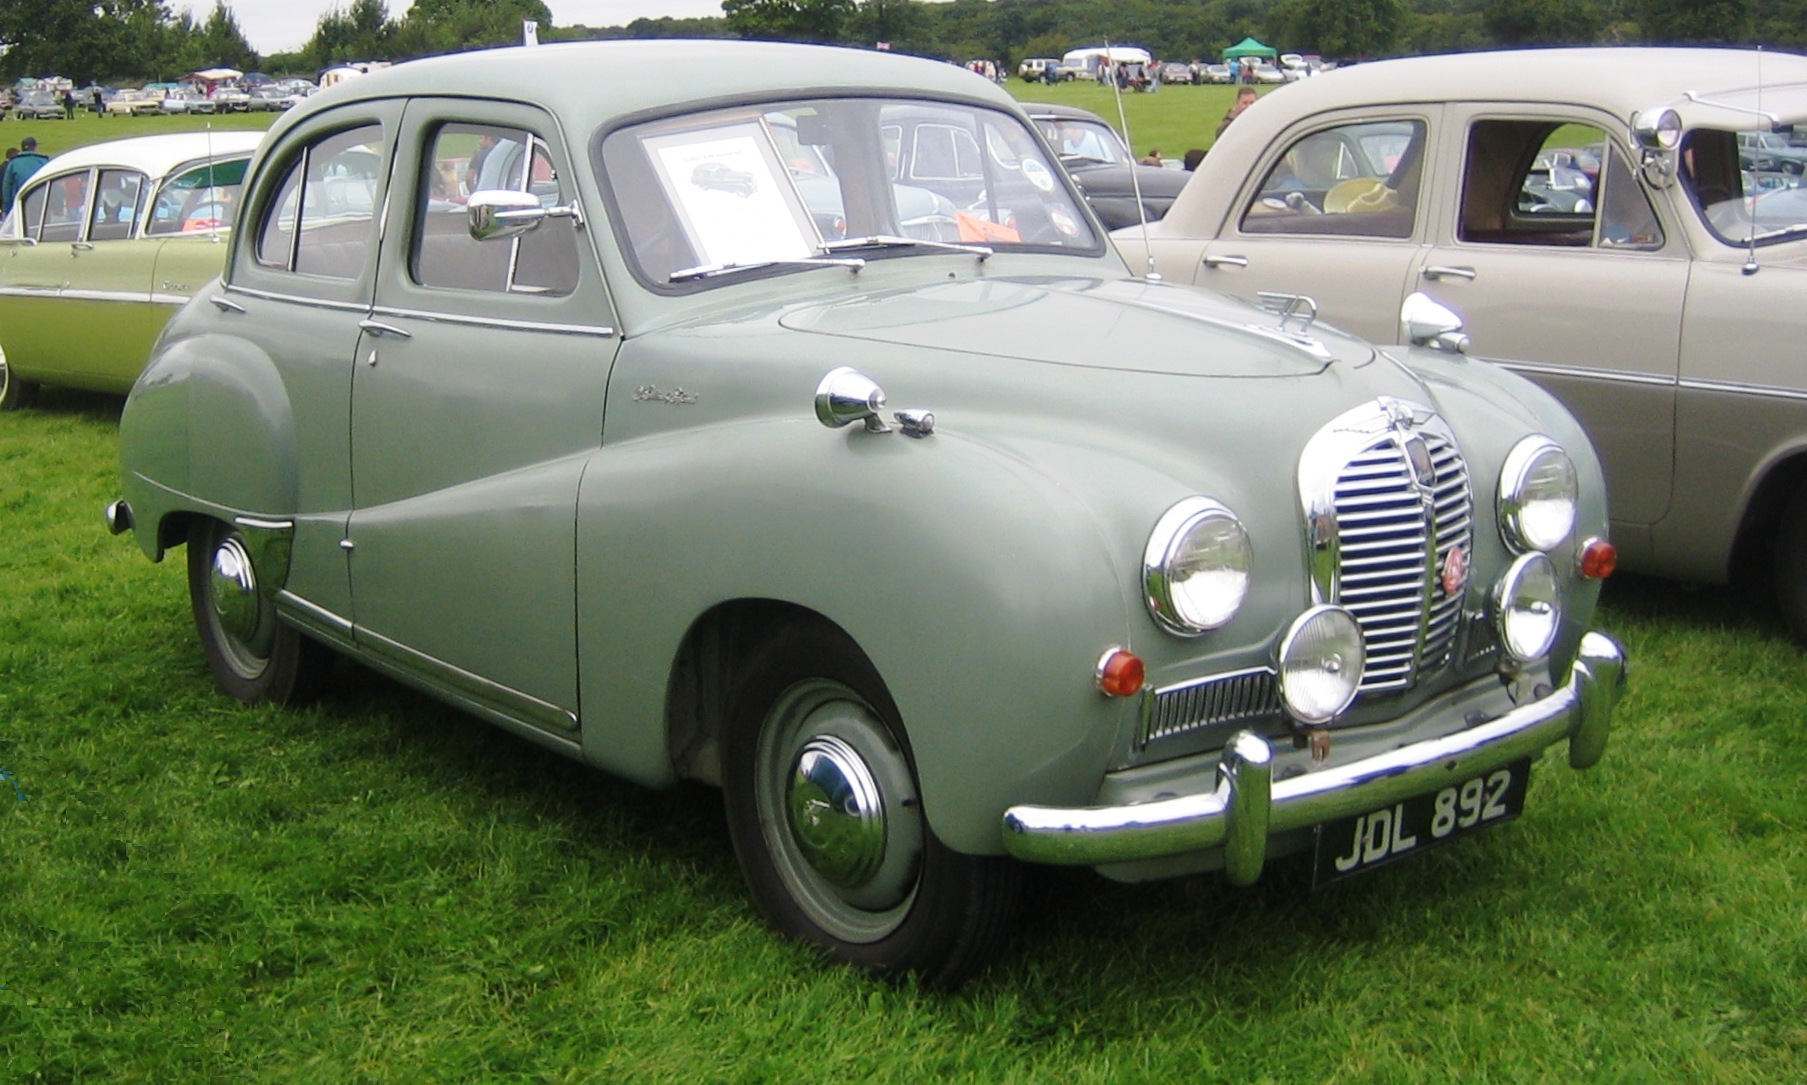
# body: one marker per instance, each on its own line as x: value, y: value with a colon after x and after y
x: 1234, y: 817
x: 498, y: 699
x: 1614, y: 376
x: 1733, y: 388
x: 600, y: 331
x: 296, y: 299
x: 317, y: 620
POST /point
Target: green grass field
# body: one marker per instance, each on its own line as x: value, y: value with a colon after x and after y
x: 377, y: 889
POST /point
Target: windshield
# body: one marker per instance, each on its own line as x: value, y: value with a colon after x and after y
x: 1075, y: 137
x: 1746, y: 185
x: 778, y: 185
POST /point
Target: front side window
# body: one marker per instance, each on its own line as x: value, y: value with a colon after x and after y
x: 775, y: 186
x: 1354, y: 179
x: 468, y: 158
x: 200, y: 198
x: 323, y: 218
x: 116, y: 205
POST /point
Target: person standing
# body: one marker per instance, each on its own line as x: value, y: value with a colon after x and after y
x: 68, y: 105
x: 27, y: 162
x: 1244, y: 99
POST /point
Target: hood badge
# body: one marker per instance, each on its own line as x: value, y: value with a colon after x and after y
x: 1454, y: 575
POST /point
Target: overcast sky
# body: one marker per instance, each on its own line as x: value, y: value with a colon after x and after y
x: 280, y: 26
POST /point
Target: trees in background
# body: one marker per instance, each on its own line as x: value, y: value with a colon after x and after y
x: 138, y: 40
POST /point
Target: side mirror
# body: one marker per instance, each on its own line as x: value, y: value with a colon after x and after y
x: 495, y: 214
x: 1425, y: 322
x: 846, y: 396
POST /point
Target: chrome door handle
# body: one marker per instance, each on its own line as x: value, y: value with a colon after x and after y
x: 226, y: 305
x: 1226, y: 261
x: 377, y: 327
x: 1437, y: 273
x: 80, y: 246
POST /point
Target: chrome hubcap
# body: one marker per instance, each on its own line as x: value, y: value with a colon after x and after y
x: 839, y: 810
x: 232, y: 593
x: 837, y: 813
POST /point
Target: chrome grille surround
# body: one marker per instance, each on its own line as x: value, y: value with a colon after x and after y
x: 1389, y: 519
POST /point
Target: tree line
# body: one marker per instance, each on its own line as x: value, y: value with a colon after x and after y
x: 133, y: 41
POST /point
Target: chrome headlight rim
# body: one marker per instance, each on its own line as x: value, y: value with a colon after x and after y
x: 1291, y: 646
x: 1515, y: 602
x: 1167, y: 544
x: 1527, y: 464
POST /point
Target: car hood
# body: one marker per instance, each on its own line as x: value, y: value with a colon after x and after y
x: 1116, y: 179
x: 1130, y: 325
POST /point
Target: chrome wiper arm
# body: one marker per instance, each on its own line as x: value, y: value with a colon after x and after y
x: 709, y: 271
x: 892, y: 241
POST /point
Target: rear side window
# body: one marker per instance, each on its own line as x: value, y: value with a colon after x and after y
x: 1355, y: 179
x: 468, y: 158
x: 323, y: 219
x: 116, y: 205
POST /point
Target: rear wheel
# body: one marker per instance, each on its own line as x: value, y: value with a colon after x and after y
x: 14, y: 392
x: 827, y: 821
x: 254, y: 656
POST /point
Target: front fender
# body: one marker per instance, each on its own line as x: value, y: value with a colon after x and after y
x: 982, y: 591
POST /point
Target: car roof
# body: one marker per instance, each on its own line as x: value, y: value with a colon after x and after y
x: 1717, y: 88
x: 589, y: 82
x: 155, y: 155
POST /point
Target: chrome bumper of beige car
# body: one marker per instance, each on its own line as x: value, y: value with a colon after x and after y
x: 1249, y: 806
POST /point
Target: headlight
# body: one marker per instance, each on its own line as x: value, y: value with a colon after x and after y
x: 1195, y: 571
x: 1537, y: 495
x: 1528, y: 608
x: 1321, y: 661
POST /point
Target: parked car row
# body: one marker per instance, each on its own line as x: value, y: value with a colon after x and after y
x: 656, y: 312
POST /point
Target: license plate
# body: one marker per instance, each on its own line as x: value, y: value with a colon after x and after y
x: 1349, y: 846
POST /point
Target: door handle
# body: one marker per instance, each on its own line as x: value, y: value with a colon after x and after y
x: 226, y: 305
x: 1438, y: 272
x: 79, y: 246
x: 1226, y: 261
x: 377, y: 327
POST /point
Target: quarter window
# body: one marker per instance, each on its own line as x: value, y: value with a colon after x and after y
x: 1355, y: 179
x: 469, y: 158
x: 323, y: 218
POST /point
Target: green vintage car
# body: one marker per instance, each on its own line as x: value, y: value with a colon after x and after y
x: 102, y: 245
x: 634, y: 416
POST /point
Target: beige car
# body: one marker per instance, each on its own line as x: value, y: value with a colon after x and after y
x: 1658, y: 295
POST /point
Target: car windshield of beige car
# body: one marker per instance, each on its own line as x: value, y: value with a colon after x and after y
x: 1747, y: 184
x: 1543, y: 182
x: 1353, y: 179
x: 827, y: 183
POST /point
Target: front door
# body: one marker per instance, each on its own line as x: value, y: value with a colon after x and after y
x: 476, y: 405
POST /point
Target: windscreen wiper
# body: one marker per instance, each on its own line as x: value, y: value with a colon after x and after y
x: 710, y: 271
x: 892, y: 241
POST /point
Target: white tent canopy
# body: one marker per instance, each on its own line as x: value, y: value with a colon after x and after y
x: 215, y: 75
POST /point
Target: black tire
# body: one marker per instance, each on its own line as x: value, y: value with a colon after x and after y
x: 1791, y: 566
x: 14, y: 392
x: 255, y: 657
x: 882, y: 894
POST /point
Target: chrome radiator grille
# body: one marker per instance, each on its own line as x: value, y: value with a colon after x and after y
x: 1391, y: 516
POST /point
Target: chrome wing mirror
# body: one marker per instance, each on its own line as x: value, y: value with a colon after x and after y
x: 494, y: 213
x: 1425, y: 322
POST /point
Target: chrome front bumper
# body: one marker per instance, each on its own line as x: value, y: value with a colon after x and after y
x: 1249, y: 806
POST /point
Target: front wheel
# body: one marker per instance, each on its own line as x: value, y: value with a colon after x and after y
x: 827, y: 821
x: 254, y: 656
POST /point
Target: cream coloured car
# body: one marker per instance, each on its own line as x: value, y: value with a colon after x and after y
x: 1656, y: 305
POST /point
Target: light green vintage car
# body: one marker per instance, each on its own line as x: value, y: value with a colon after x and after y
x: 634, y: 416
x: 102, y: 245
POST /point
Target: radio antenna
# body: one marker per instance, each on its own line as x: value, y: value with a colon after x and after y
x: 1750, y: 230
x: 1135, y: 177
